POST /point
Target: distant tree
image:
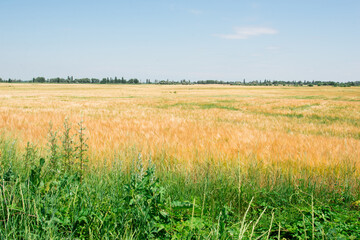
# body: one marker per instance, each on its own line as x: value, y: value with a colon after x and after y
x: 82, y: 80
x: 39, y: 80
x: 95, y: 80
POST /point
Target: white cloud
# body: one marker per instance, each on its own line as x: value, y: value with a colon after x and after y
x: 244, y: 33
x: 256, y: 55
x: 272, y: 48
x: 255, y: 5
x: 195, y: 12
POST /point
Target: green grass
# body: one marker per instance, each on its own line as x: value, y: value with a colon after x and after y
x: 55, y: 193
x: 298, y: 108
x: 311, y: 118
x: 321, y: 97
x: 193, y: 106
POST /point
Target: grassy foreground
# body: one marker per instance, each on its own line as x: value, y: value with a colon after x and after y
x: 217, y: 162
x: 55, y: 193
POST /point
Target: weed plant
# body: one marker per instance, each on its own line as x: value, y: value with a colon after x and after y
x: 58, y: 194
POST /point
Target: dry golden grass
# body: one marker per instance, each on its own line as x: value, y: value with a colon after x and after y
x: 286, y: 126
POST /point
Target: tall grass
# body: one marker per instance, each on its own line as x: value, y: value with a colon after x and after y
x: 292, y: 126
x: 53, y: 193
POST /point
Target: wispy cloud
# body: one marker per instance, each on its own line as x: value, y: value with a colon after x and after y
x: 246, y: 32
x: 273, y: 48
x: 195, y: 11
x: 255, y: 5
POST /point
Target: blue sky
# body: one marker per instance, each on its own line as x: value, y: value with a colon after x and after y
x: 168, y: 39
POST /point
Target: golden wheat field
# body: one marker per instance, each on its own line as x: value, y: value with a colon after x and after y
x: 290, y: 126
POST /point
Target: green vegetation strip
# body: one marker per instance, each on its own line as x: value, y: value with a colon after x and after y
x: 60, y: 196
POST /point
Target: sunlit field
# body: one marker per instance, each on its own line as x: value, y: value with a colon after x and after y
x: 179, y: 162
x: 291, y: 126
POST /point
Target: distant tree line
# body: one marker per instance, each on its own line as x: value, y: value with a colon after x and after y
x: 71, y: 79
x: 266, y: 83
x: 116, y: 80
x: 11, y: 80
x: 297, y: 83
